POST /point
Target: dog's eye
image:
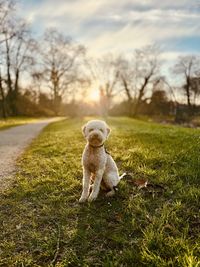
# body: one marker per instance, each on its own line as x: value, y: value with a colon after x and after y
x: 90, y: 130
x: 101, y: 130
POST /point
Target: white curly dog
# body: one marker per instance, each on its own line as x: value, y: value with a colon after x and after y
x: 98, y: 166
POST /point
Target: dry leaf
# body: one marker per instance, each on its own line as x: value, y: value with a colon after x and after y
x: 141, y: 183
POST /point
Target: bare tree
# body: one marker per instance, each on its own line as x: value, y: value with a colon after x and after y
x: 137, y: 74
x: 188, y: 67
x: 195, y: 87
x: 17, y: 58
x: 22, y: 53
x: 6, y: 34
x: 127, y: 77
x: 60, y: 59
x: 7, y: 8
x: 170, y: 88
x: 147, y: 68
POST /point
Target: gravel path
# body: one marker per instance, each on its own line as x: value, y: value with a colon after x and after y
x: 13, y: 141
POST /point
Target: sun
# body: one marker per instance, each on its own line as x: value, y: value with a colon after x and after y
x: 93, y: 95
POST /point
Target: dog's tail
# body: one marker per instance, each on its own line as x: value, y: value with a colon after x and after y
x: 122, y: 176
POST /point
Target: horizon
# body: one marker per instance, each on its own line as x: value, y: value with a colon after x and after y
x: 112, y: 32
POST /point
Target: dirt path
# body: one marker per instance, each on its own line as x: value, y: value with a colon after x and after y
x: 13, y: 141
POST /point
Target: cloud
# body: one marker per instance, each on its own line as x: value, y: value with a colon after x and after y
x: 118, y: 26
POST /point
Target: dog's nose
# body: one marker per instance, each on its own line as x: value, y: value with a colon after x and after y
x: 95, y: 135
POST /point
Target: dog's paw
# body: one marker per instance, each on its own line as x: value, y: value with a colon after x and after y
x: 82, y: 199
x: 91, y: 198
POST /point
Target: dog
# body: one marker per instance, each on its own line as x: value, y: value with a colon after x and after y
x: 98, y: 165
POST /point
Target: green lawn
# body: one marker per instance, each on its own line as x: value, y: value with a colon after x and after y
x: 42, y: 223
x: 14, y: 121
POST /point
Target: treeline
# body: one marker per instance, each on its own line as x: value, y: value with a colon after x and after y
x: 30, y: 67
x: 53, y: 75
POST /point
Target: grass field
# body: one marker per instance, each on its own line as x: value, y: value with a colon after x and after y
x: 42, y: 223
x: 14, y: 121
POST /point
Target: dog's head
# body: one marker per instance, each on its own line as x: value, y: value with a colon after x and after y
x: 96, y: 132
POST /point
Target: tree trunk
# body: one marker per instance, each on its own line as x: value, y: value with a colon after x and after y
x: 12, y: 102
x: 56, y: 102
x: 187, y: 88
x: 127, y: 91
x: 14, y: 95
x: 141, y: 93
x: 16, y: 87
x: 3, y: 99
x: 9, y: 81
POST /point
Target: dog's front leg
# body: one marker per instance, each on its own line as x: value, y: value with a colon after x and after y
x: 86, y: 186
x: 96, y: 185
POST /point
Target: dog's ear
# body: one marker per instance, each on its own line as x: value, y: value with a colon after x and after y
x: 83, y: 129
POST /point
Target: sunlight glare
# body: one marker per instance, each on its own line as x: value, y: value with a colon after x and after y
x: 93, y: 95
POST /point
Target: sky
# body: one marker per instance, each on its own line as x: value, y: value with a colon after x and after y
x: 105, y: 26
x: 120, y: 27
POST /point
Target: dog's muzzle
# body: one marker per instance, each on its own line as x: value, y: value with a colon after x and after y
x: 95, y: 139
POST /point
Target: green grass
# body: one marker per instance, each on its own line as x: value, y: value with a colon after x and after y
x: 14, y: 121
x: 42, y: 223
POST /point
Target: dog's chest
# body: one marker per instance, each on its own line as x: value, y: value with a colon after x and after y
x: 93, y: 160
x: 92, y: 167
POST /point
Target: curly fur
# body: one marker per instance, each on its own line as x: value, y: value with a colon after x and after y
x: 98, y: 166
